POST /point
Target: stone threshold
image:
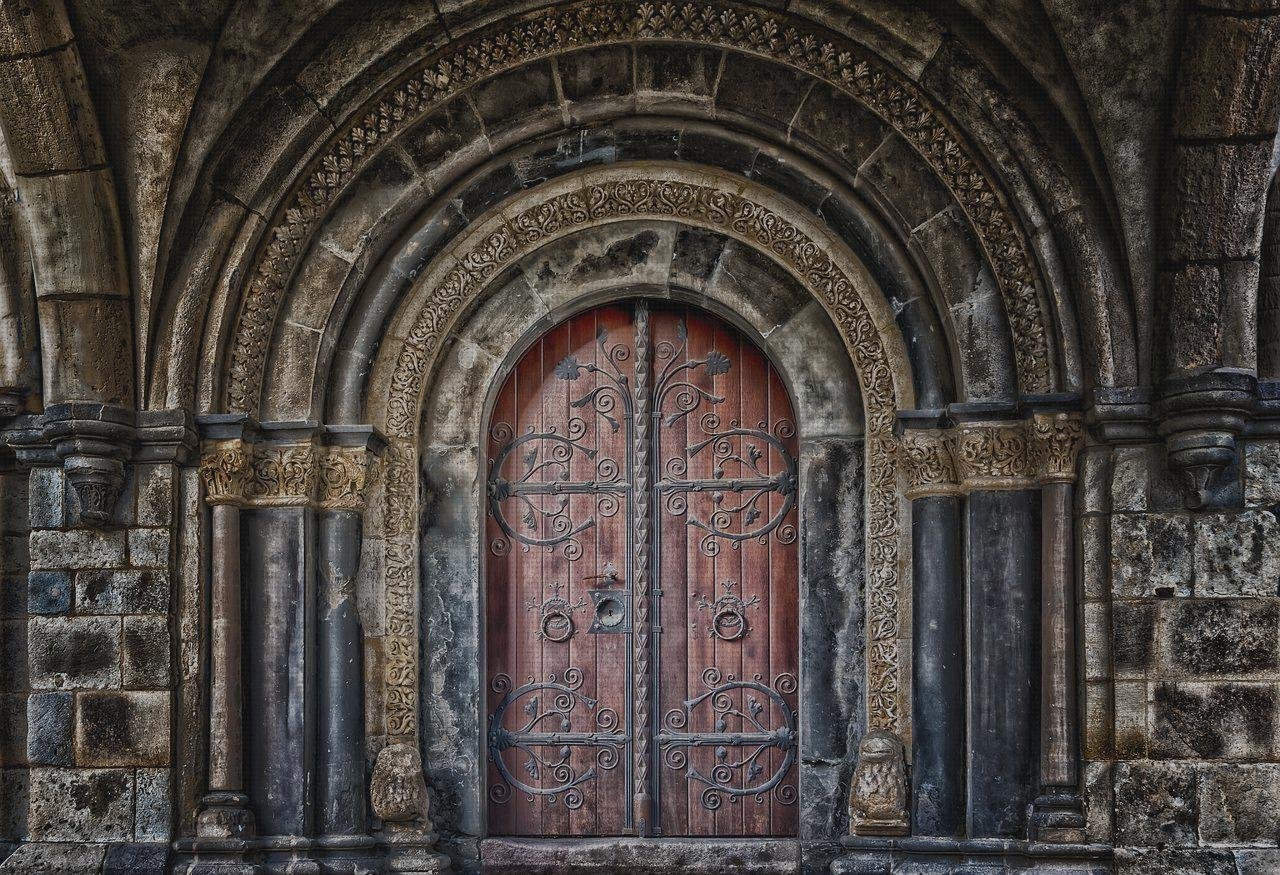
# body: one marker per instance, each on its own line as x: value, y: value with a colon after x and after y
x: 501, y: 856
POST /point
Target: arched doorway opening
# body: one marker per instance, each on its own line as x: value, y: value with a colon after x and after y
x: 641, y: 568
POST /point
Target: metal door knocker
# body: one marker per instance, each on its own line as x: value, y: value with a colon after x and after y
x: 728, y: 613
x: 556, y: 623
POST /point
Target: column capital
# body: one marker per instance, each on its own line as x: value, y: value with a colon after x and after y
x: 344, y: 477
x: 284, y: 475
x: 927, y: 460
x: 993, y: 455
x: 1056, y: 441
x: 225, y: 471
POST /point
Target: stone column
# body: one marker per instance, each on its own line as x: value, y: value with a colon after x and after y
x: 341, y: 816
x: 280, y: 641
x: 938, y: 669
x: 994, y: 464
x: 225, y: 823
x: 1058, y: 813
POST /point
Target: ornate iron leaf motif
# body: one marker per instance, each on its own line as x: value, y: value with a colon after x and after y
x: 728, y: 613
x: 543, y: 741
x: 741, y: 739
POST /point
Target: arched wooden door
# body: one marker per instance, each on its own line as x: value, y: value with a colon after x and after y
x: 641, y: 581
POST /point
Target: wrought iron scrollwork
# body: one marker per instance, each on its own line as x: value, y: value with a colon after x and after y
x: 740, y: 739
x: 541, y: 486
x: 740, y: 484
x: 545, y: 740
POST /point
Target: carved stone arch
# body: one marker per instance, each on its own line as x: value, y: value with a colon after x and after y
x: 798, y: 243
x: 790, y: 40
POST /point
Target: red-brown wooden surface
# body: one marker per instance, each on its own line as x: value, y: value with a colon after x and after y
x: 710, y: 388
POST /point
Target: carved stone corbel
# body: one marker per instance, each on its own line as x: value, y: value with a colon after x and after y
x: 929, y: 466
x: 878, y: 796
x: 398, y: 793
x: 94, y: 441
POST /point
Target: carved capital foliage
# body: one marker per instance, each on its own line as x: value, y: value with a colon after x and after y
x: 1056, y: 439
x: 928, y: 464
x: 344, y: 478
x: 993, y: 455
x: 226, y: 472
x: 284, y: 476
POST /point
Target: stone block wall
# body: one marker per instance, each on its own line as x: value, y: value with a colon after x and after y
x: 88, y: 695
x: 1182, y: 665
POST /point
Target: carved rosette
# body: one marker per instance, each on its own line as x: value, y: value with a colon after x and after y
x: 343, y: 478
x: 1056, y: 439
x: 993, y: 455
x: 284, y: 476
x: 928, y: 464
x: 226, y: 472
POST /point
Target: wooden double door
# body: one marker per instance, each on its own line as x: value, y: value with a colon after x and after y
x: 641, y: 570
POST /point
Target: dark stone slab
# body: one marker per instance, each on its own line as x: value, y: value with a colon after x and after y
x: 126, y: 859
x: 1223, y: 637
x: 506, y: 99
x: 49, y: 592
x: 761, y: 89
x: 1156, y: 803
x: 49, y: 729
x: 1133, y: 628
x: 593, y: 73
x: 279, y: 588
x: 1214, y: 720
x: 448, y: 129
x: 685, y: 70
x: 840, y: 124
x: 1003, y: 532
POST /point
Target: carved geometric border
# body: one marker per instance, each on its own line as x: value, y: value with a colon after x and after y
x: 521, y: 39
x: 660, y: 192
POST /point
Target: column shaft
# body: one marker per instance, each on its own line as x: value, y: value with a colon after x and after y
x: 226, y: 728
x: 1058, y: 696
x: 341, y: 698
x: 937, y: 711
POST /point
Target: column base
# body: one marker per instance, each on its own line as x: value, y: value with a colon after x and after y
x: 411, y: 850
x: 1058, y: 818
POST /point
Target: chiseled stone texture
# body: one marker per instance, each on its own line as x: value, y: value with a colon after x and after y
x: 1237, y: 554
x: 1240, y: 804
x: 1156, y: 803
x: 1262, y: 473
x: 94, y: 805
x: 1150, y: 555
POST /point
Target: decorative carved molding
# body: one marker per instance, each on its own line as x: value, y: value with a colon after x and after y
x: 344, y: 478
x: 1056, y: 440
x: 226, y: 472
x: 928, y: 464
x: 878, y: 795
x: 519, y: 40
x: 672, y: 197
x: 993, y: 455
x: 283, y: 476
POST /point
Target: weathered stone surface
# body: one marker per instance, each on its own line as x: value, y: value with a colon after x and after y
x: 122, y: 728
x: 1156, y: 803
x: 1133, y: 624
x: 49, y: 729
x: 149, y: 548
x: 1257, y: 862
x: 1131, y: 719
x: 1214, y: 721
x: 146, y: 657
x: 46, y: 508
x: 42, y: 858
x: 841, y: 124
x: 507, y: 99
x: 154, y: 809
x: 150, y: 856
x: 1151, y: 555
x: 122, y: 592
x: 94, y: 805
x: 1204, y: 638
x: 49, y: 592
x: 760, y: 89
x: 1185, y: 861
x: 1262, y: 473
x: 1099, y: 802
x: 1225, y: 87
x: 689, y: 71
x: 1237, y: 554
x: 81, y: 548
x: 153, y: 495
x: 74, y: 652
x: 1206, y: 178
x: 595, y: 73
x: 1239, y: 804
